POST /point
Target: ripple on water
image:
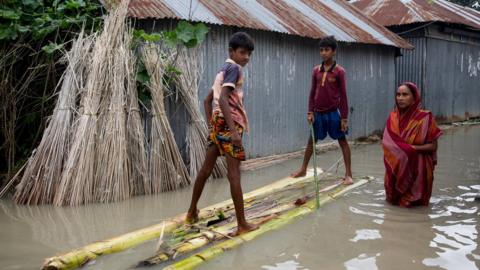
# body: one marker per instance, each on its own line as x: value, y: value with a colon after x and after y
x: 363, y: 261
x: 366, y: 234
x: 456, y: 235
x: 287, y: 265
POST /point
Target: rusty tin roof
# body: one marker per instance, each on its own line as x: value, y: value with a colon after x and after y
x: 399, y: 12
x: 308, y: 18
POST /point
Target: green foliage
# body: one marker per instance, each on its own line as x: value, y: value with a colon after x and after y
x: 185, y: 34
x: 32, y: 32
x: 40, y: 19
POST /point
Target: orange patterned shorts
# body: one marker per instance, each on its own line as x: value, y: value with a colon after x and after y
x: 220, y: 136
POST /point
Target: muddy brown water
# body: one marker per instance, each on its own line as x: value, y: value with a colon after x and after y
x: 357, y: 231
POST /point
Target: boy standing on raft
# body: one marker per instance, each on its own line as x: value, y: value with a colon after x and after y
x: 226, y: 114
x: 328, y: 107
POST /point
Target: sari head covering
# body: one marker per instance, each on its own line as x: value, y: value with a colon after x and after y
x: 409, y: 173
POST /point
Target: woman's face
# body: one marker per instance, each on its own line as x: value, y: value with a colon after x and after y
x: 404, y: 97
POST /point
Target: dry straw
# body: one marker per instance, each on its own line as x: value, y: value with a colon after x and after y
x: 77, y: 185
x: 167, y: 170
x: 112, y: 175
x: 190, y: 64
x: 41, y: 178
x: 136, y: 134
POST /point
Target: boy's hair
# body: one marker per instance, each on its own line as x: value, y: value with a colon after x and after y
x: 241, y: 40
x: 328, y: 42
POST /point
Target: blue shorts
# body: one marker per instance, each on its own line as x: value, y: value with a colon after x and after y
x: 330, y: 123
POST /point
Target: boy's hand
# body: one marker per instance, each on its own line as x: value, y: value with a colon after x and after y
x: 344, y: 126
x: 310, y: 117
x: 236, y: 139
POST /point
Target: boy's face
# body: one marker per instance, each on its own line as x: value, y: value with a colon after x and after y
x: 327, y: 53
x: 240, y: 55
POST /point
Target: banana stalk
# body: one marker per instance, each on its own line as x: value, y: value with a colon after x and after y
x: 275, y: 223
x: 83, y: 255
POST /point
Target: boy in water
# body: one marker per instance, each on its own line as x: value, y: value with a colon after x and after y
x: 328, y: 106
x: 225, y: 111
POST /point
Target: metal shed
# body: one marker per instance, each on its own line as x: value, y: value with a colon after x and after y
x: 446, y: 59
x: 278, y: 76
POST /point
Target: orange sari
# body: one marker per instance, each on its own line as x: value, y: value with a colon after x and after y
x: 409, y: 173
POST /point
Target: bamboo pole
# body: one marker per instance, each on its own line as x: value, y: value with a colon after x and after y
x: 81, y: 256
x: 210, y: 253
x: 315, y: 177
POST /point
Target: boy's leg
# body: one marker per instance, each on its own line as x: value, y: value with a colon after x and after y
x: 347, y: 160
x: 233, y: 166
x: 203, y: 175
x: 306, y: 159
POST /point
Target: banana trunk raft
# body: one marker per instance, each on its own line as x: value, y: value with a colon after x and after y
x: 185, y: 246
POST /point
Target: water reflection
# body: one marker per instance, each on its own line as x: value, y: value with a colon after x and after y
x: 358, y: 231
x: 73, y: 227
x: 456, y: 233
x: 287, y: 265
x: 363, y: 261
x: 452, y: 238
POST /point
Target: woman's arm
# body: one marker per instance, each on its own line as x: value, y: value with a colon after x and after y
x: 428, y: 147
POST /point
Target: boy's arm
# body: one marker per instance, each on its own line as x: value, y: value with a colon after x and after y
x: 207, y: 105
x: 230, y: 79
x: 311, y: 98
x: 343, y: 101
x: 223, y: 102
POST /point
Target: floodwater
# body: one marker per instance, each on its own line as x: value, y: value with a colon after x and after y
x: 357, y: 231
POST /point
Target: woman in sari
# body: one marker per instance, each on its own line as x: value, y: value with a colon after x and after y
x: 409, y: 146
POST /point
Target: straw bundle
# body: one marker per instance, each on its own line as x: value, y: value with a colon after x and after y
x: 77, y: 184
x: 167, y: 170
x: 41, y: 178
x: 136, y: 134
x: 112, y: 176
x: 189, y: 62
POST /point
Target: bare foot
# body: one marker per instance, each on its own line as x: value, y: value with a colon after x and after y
x: 248, y: 227
x: 301, y: 201
x: 347, y: 180
x: 299, y: 173
x: 192, y: 217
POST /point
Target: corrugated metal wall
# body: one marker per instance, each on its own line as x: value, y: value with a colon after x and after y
x: 278, y: 82
x: 447, y: 69
x: 411, y: 65
x: 453, y: 79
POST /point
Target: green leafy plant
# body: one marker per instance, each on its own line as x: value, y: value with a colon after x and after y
x: 185, y: 34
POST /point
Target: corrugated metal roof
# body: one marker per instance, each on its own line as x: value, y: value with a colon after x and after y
x: 398, y: 12
x: 309, y: 18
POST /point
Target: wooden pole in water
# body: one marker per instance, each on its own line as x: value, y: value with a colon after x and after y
x: 315, y: 177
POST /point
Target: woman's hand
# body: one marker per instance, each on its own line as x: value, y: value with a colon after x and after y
x: 428, y: 147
